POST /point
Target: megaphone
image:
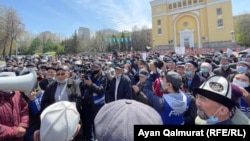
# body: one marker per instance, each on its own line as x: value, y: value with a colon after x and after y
x: 24, y: 83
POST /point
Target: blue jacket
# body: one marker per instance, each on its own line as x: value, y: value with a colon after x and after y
x: 170, y: 106
x: 35, y: 104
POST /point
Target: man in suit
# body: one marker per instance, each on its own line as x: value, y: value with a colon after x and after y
x: 63, y: 89
x: 225, y: 68
x: 120, y: 87
x: 192, y: 79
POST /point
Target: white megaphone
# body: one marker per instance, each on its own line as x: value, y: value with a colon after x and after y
x: 24, y: 83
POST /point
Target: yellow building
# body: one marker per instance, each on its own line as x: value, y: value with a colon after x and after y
x: 192, y: 23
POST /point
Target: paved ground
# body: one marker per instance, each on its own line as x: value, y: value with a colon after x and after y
x: 2, y: 64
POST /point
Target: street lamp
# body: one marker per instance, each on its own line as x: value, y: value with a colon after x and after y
x: 232, y: 33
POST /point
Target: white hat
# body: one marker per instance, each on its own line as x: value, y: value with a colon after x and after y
x: 59, y: 121
x: 217, y: 88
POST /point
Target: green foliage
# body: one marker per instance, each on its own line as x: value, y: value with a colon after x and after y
x: 35, y: 44
x: 49, y: 46
x: 242, y: 29
x: 59, y: 48
x: 123, y: 44
x: 115, y: 45
x: 71, y: 45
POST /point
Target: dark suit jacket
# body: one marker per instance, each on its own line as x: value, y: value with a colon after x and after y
x: 44, y: 83
x: 219, y: 71
x: 72, y: 89
x: 196, y: 82
x: 124, y: 89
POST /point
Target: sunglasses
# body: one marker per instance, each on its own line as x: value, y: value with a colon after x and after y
x: 62, y: 74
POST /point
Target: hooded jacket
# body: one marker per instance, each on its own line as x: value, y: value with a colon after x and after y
x: 170, y: 106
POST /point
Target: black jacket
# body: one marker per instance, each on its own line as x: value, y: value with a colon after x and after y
x: 72, y: 89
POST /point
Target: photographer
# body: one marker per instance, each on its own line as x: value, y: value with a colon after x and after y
x: 93, y: 88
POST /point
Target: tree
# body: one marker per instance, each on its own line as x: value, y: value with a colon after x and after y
x: 24, y: 42
x: 115, y: 44
x: 59, y: 48
x: 4, y: 31
x: 123, y: 43
x: 15, y: 26
x: 49, y: 46
x: 99, y: 41
x: 36, y: 43
x: 242, y: 29
x: 10, y: 29
x: 75, y: 44
x: 71, y: 45
x: 141, y: 38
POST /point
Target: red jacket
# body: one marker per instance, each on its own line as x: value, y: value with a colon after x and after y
x: 157, y: 87
x: 14, y: 112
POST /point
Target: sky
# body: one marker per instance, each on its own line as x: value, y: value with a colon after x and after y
x: 65, y: 16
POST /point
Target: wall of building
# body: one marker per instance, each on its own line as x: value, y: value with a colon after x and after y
x: 201, y: 18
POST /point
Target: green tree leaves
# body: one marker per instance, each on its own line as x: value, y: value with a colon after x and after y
x: 242, y: 29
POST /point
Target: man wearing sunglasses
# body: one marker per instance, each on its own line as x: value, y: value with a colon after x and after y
x: 63, y: 89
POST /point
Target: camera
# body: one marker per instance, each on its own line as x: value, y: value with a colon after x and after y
x: 158, y: 63
x: 86, y: 70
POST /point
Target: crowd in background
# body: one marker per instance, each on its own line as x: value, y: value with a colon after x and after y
x: 171, y: 85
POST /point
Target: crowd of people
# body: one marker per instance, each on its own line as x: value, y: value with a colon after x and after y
x: 90, y: 98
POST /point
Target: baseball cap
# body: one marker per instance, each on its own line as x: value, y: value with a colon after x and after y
x: 59, y: 121
x: 217, y: 88
x: 174, y: 78
x: 115, y: 120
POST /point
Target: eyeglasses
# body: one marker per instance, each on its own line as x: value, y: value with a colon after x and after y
x: 62, y: 74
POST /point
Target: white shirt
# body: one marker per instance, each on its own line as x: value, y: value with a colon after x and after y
x: 117, y: 82
x: 61, y: 93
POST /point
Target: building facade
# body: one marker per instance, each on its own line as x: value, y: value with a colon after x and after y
x: 84, y: 33
x: 192, y: 23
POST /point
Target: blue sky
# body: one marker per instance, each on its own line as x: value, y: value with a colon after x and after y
x: 65, y: 16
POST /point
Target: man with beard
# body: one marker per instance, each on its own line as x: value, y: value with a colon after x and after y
x: 214, y: 101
